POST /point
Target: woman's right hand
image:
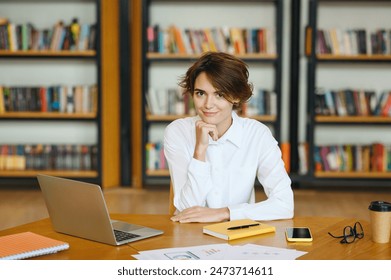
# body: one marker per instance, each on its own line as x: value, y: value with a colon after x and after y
x: 203, y: 130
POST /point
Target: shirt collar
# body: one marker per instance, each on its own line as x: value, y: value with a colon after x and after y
x: 235, y: 132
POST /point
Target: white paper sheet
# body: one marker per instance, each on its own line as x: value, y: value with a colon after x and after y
x: 221, y: 252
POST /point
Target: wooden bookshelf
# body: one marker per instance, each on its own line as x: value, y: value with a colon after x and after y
x: 106, y: 60
x: 164, y: 118
x: 263, y: 118
x: 317, y: 66
x: 149, y: 62
x: 352, y: 119
x: 48, y: 53
x: 373, y: 57
x: 250, y: 56
x: 169, y: 118
x: 46, y: 115
x: 158, y: 173
x: 61, y: 173
x: 352, y: 175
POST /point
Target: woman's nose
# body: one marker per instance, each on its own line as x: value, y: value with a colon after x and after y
x: 209, y: 102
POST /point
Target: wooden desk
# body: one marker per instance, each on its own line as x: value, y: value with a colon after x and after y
x: 183, y: 235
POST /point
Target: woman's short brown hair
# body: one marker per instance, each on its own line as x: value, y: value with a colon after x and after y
x: 227, y: 73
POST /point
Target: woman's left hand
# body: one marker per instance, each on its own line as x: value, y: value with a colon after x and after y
x: 198, y: 214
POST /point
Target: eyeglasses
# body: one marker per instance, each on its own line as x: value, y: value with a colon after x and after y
x: 351, y: 233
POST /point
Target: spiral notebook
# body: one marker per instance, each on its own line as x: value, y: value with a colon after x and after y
x: 27, y: 245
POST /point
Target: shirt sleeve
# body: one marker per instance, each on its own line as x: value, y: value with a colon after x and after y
x: 276, y: 183
x: 190, y: 177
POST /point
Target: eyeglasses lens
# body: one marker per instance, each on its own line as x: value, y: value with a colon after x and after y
x: 359, y: 230
x: 349, y: 234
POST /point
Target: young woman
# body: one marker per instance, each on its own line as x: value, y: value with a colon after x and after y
x: 215, y: 156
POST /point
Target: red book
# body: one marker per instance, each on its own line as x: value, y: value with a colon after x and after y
x: 44, y: 103
x: 385, y: 111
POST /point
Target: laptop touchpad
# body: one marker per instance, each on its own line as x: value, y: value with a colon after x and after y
x: 122, y: 226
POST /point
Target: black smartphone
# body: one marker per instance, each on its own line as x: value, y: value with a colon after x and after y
x: 298, y: 234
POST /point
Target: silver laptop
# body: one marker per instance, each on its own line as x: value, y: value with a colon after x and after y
x: 79, y: 209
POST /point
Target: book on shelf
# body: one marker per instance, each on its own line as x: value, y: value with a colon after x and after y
x: 233, y: 40
x: 237, y: 229
x: 57, y: 32
x: 352, y: 102
x: 341, y: 103
x: 359, y: 41
x: 62, y: 36
x: 386, y: 108
x: 375, y: 157
x: 153, y: 102
x: 210, y: 39
x: 154, y: 154
x: 151, y: 38
x: 84, y: 38
x: 262, y: 102
x: 2, y: 105
x: 168, y: 101
x: 48, y: 157
x: 28, y: 245
x: 317, y: 159
x: 237, y: 40
x: 64, y: 99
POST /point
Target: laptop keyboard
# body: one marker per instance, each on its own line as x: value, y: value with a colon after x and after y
x: 121, y: 235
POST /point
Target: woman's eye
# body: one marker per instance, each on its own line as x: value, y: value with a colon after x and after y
x: 199, y: 93
x: 219, y: 94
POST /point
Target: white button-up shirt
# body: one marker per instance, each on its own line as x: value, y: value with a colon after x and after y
x: 226, y: 179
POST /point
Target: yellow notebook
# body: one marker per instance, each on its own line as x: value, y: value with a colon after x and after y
x: 28, y: 244
x: 237, y: 229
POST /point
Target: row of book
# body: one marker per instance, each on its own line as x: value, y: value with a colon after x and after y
x: 154, y: 156
x: 172, y: 102
x: 169, y: 101
x: 225, y: 39
x: 62, y: 36
x: 48, y: 157
x: 155, y: 159
x: 352, y: 102
x: 263, y: 102
x: 374, y: 157
x: 353, y: 41
x: 64, y: 99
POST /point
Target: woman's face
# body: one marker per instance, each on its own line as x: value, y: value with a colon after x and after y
x: 210, y: 104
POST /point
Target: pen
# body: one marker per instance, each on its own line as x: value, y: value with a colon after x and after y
x: 243, y: 226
